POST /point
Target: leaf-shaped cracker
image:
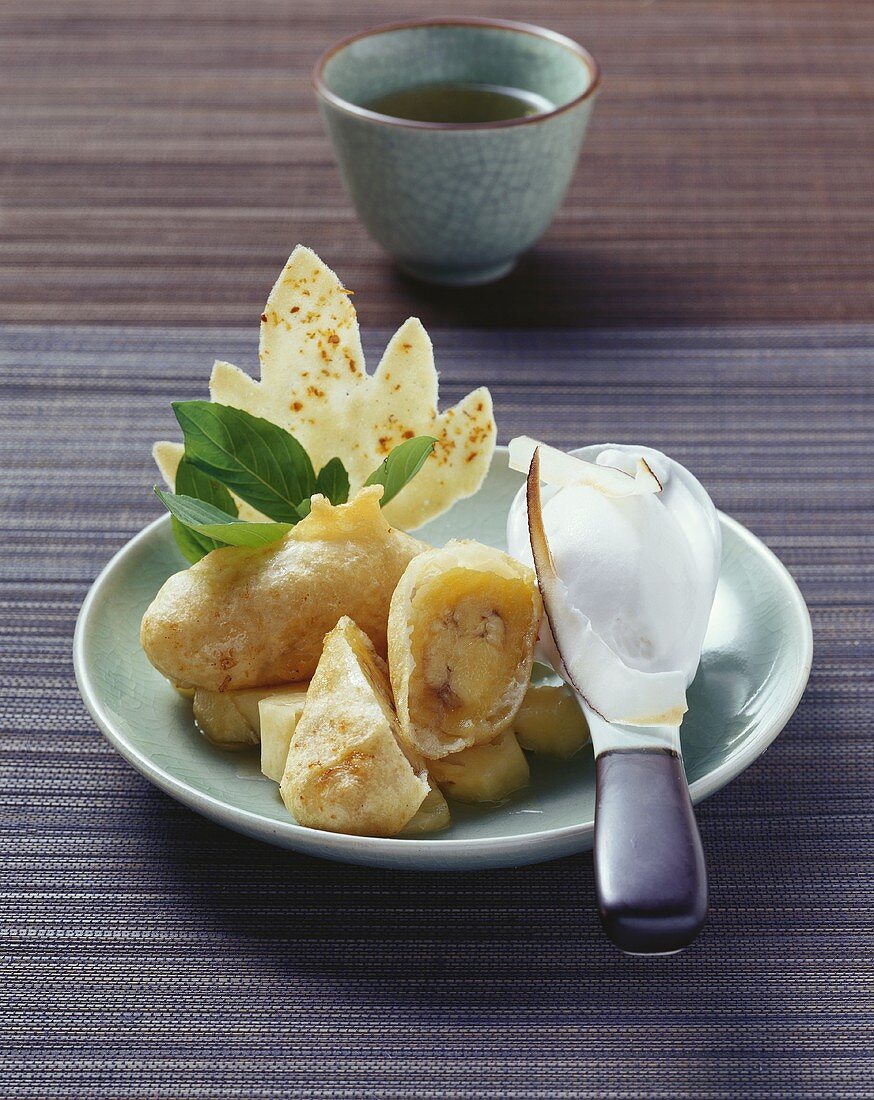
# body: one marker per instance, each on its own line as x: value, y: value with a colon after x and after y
x: 315, y: 385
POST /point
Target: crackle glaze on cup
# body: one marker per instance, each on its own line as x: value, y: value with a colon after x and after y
x: 456, y: 203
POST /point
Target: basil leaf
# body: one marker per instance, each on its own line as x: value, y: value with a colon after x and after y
x: 194, y: 483
x: 402, y: 465
x: 261, y: 462
x: 333, y: 482
x: 206, y: 519
x: 192, y: 546
x: 304, y: 508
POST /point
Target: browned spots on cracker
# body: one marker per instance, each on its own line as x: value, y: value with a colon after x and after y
x: 352, y: 366
x: 314, y: 391
x: 227, y: 660
x: 334, y: 339
x: 396, y: 387
x: 223, y: 686
x: 480, y: 406
x: 384, y: 443
x: 294, y: 309
x: 406, y: 347
x: 471, y: 456
x: 408, y: 434
x: 296, y: 406
x: 263, y: 316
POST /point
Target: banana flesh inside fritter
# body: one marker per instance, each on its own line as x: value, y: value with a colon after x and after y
x: 462, y: 629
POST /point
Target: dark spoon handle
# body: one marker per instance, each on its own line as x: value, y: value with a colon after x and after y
x: 650, y: 876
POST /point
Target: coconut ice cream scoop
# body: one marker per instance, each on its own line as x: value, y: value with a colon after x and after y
x: 626, y: 544
x: 636, y: 560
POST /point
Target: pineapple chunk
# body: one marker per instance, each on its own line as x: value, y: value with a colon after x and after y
x: 550, y: 721
x: 483, y: 773
x: 221, y: 722
x: 279, y: 715
x: 432, y: 815
x: 230, y: 719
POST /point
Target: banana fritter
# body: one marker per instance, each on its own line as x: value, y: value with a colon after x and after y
x: 247, y: 617
x: 461, y: 635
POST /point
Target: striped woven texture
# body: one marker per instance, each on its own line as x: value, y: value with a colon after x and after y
x: 160, y: 159
x: 149, y: 953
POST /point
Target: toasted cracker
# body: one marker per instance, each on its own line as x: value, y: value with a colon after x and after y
x: 315, y: 385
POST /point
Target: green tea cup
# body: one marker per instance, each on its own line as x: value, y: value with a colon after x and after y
x: 456, y: 202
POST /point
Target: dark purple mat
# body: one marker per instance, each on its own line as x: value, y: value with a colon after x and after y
x: 149, y: 953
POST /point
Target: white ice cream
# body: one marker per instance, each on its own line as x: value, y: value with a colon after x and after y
x: 639, y: 572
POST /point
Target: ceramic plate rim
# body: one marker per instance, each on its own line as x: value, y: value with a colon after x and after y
x: 426, y: 854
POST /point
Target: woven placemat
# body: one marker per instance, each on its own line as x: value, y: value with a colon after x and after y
x: 160, y: 160
x: 149, y: 953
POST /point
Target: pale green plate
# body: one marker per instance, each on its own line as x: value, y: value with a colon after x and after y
x: 754, y: 668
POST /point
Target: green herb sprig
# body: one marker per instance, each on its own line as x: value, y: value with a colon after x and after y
x: 229, y: 451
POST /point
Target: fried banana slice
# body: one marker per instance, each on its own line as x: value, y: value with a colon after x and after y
x: 244, y: 617
x: 347, y: 769
x: 484, y: 773
x: 461, y: 635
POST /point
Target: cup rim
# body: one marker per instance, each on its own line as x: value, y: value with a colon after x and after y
x: 321, y: 88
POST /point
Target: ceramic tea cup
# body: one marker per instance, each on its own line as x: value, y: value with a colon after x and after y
x: 456, y: 202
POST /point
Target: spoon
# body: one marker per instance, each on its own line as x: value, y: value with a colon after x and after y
x: 624, y: 658
x: 650, y: 875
